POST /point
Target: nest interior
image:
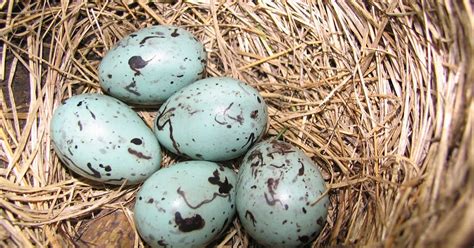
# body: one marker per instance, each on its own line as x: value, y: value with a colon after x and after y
x: 378, y: 93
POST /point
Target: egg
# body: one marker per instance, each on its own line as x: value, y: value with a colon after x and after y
x: 213, y: 119
x: 281, y: 200
x: 104, y: 140
x: 188, y: 204
x: 148, y: 66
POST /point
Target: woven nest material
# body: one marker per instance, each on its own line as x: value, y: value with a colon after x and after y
x: 378, y: 93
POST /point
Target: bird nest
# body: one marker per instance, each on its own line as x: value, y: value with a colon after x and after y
x: 377, y: 93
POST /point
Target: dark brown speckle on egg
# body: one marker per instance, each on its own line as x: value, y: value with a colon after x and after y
x: 189, y: 224
x: 175, y: 33
x: 136, y: 141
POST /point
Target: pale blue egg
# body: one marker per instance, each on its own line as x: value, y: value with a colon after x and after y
x: 188, y: 204
x: 148, y: 66
x: 281, y: 200
x: 212, y: 119
x: 104, y: 140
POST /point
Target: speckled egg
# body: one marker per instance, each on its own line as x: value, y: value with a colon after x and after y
x: 280, y: 195
x: 214, y: 119
x: 186, y: 205
x: 103, y: 139
x: 148, y: 66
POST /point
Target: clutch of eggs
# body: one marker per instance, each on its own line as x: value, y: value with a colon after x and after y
x: 215, y: 119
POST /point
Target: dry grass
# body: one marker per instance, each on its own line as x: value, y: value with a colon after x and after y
x: 379, y: 94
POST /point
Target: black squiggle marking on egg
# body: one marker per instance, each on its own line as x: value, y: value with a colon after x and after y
x: 78, y: 104
x: 92, y: 114
x: 183, y: 194
x: 191, y: 111
x: 276, y: 166
x: 195, y: 111
x: 301, y: 169
x: 250, y: 140
x: 142, y: 42
x: 270, y: 155
x: 221, y: 118
x: 224, y: 113
x: 138, y: 154
x: 190, y: 224
x: 239, y: 118
x: 168, y: 114
x: 280, y: 147
x: 136, y: 63
x: 132, y: 88
x: 272, y: 185
x: 259, y: 100
x: 68, y: 161
x: 79, y: 124
x: 248, y: 215
x: 95, y: 173
x: 225, y: 224
x: 115, y: 180
x: 256, y: 159
x: 224, y: 187
x: 175, y: 33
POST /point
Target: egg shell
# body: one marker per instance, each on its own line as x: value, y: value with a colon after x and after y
x: 186, y: 205
x: 213, y: 119
x: 148, y: 66
x: 278, y: 189
x: 103, y: 139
